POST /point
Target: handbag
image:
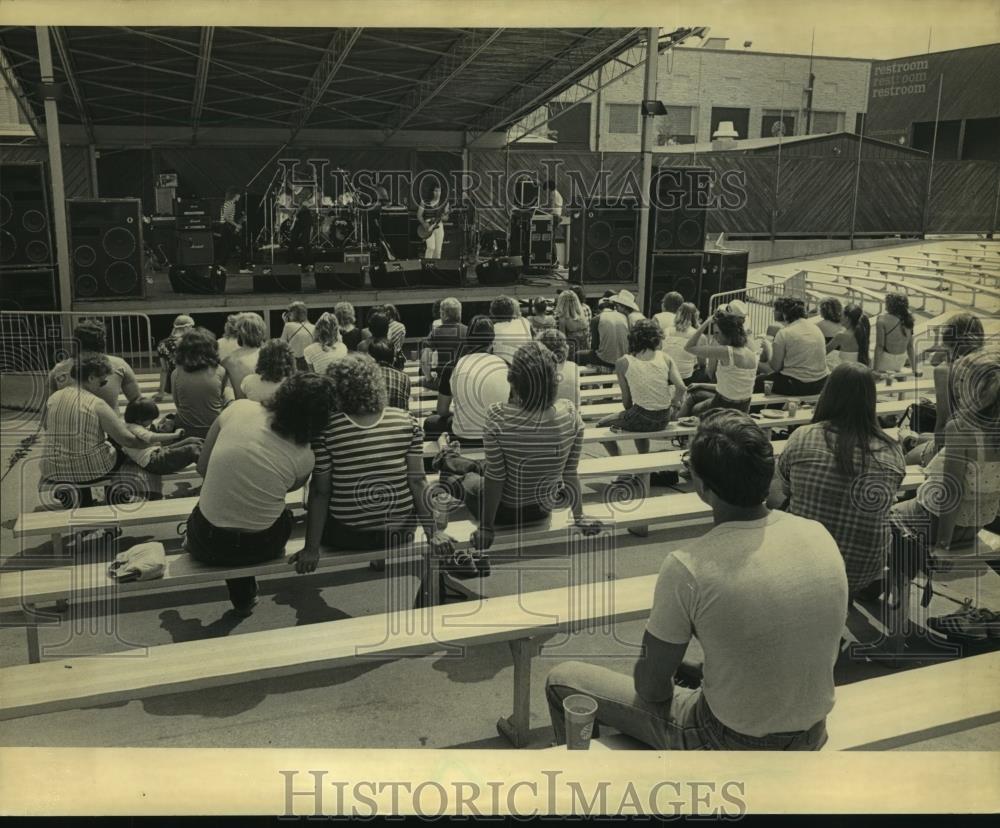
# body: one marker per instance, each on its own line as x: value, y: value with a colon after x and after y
x: 921, y: 417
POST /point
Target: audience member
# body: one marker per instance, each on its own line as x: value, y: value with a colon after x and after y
x: 166, y: 350
x: 199, y: 382
x: 587, y: 313
x: 350, y: 334
x: 253, y: 456
x: 81, y: 431
x: 732, y: 363
x: 532, y: 447
x: 669, y: 304
x: 298, y: 332
x: 894, y: 336
x: 470, y: 384
x: 567, y: 372
x: 397, y: 330
x: 675, y: 338
x: 510, y: 329
x: 963, y: 334
x: 275, y: 362
x: 397, y: 384
x: 90, y: 339
x: 326, y: 347
x: 608, y: 337
x: 444, y: 340
x: 573, y: 323
x: 843, y: 470
x: 766, y: 595
x: 852, y: 344
x: 162, y: 452
x: 368, y: 487
x: 624, y: 301
x: 228, y: 342
x: 378, y: 328
x: 250, y: 334
x: 540, y: 319
x: 798, y: 353
x: 830, y: 320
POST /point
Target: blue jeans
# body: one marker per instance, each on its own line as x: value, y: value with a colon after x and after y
x: 685, y: 722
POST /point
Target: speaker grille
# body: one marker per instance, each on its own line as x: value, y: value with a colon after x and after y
x: 599, y: 234
x: 689, y: 233
x: 122, y: 277
x: 37, y: 251
x: 85, y: 255
x: 119, y: 243
x: 598, y: 266
x: 33, y: 221
x: 86, y: 285
x: 6, y: 210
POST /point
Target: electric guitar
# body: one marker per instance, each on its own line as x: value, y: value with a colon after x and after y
x: 424, y: 231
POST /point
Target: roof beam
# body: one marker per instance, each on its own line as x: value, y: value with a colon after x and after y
x: 333, y: 58
x: 10, y: 78
x: 463, y: 52
x: 201, y: 77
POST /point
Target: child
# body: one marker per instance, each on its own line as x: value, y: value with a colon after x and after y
x: 157, y: 458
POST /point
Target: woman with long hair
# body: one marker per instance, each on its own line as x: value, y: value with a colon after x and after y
x: 732, y: 363
x: 275, y: 362
x: 298, y: 331
x: 199, y: 382
x: 350, y: 334
x: 894, y: 336
x: 852, y: 344
x: 685, y: 321
x: 326, y: 347
x: 573, y: 322
x: 843, y: 470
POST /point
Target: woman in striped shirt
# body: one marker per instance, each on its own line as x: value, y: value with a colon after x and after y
x: 368, y: 487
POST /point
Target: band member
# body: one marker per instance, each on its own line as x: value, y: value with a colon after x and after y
x: 230, y: 227
x: 431, y: 215
x: 551, y: 202
x: 300, y: 236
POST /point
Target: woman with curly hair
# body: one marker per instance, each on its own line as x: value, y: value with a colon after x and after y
x: 652, y: 387
x: 327, y: 347
x: 368, y: 489
x: 253, y: 456
x: 568, y: 375
x: 731, y: 362
x: 250, y: 334
x: 894, y: 336
x: 199, y: 382
x: 350, y: 334
x: 831, y: 317
x: 275, y: 362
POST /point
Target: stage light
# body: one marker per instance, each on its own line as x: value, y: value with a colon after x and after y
x: 653, y: 107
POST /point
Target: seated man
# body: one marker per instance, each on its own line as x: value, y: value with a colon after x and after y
x: 766, y: 594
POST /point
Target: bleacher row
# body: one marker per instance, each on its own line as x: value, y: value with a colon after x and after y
x: 868, y: 714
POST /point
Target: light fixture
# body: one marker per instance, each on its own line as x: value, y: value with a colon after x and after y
x: 747, y: 44
x: 653, y: 107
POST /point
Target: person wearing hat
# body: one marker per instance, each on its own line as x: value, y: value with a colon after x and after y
x: 609, y: 330
x: 625, y: 301
x: 166, y: 351
x: 739, y: 309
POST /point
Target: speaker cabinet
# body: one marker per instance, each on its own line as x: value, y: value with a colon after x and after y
x: 106, y: 248
x: 401, y: 273
x: 279, y: 278
x: 680, y: 197
x: 339, y: 276
x: 503, y: 270
x: 26, y: 289
x: 604, y: 244
x: 195, y: 247
x: 198, y: 279
x: 681, y: 272
x: 724, y: 271
x: 443, y: 272
x: 25, y: 237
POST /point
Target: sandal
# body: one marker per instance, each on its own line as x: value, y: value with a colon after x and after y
x: 462, y: 565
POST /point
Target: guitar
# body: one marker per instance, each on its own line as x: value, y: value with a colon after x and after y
x: 425, y: 231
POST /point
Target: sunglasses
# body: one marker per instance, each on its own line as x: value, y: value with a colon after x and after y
x: 103, y: 382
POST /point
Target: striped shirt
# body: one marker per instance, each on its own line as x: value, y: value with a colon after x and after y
x: 532, y: 451
x: 228, y: 214
x: 76, y: 447
x: 397, y: 386
x: 368, y: 468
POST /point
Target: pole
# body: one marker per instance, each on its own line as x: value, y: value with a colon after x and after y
x: 930, y: 170
x: 648, y: 94
x: 55, y: 170
x: 95, y: 189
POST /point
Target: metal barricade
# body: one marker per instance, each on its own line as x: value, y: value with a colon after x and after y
x: 760, y: 300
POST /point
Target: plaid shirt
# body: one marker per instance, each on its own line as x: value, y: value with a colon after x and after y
x: 397, y: 384
x: 855, y: 511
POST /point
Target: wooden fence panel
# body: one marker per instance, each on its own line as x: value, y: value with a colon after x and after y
x: 963, y: 197
x: 891, y: 196
x: 814, y: 196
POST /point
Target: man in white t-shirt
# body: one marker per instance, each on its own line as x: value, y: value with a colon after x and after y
x: 510, y: 329
x: 766, y: 594
x: 665, y: 318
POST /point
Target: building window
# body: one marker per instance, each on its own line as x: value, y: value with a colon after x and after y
x: 859, y: 123
x: 740, y: 119
x: 775, y: 122
x: 623, y: 119
x: 676, y: 127
x: 826, y: 122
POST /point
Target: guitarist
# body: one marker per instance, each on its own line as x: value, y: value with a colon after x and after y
x: 230, y: 227
x: 431, y: 216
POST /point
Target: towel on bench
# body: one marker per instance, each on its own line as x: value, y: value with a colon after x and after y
x: 144, y: 562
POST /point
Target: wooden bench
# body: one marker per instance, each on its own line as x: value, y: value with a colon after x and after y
x: 941, y: 282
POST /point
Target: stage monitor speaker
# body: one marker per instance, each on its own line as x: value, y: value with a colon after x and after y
x: 25, y: 239
x: 339, y: 276
x: 27, y: 289
x: 279, y: 278
x: 106, y: 252
x: 198, y: 279
x: 503, y: 270
x: 443, y: 272
x: 195, y: 247
x: 681, y: 272
x: 604, y: 241
x: 680, y: 197
x: 400, y: 273
x: 724, y: 271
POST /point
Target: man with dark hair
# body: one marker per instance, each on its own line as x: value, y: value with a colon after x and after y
x: 90, y: 339
x: 397, y: 384
x: 767, y: 594
x: 798, y: 353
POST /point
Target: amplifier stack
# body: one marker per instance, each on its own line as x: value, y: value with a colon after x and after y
x: 27, y: 255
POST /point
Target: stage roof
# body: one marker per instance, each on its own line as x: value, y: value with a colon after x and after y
x: 393, y: 80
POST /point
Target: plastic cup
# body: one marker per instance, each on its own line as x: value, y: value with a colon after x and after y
x: 768, y: 385
x: 792, y: 407
x: 580, y: 712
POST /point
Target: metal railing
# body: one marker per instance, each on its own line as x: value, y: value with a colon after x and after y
x: 760, y: 300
